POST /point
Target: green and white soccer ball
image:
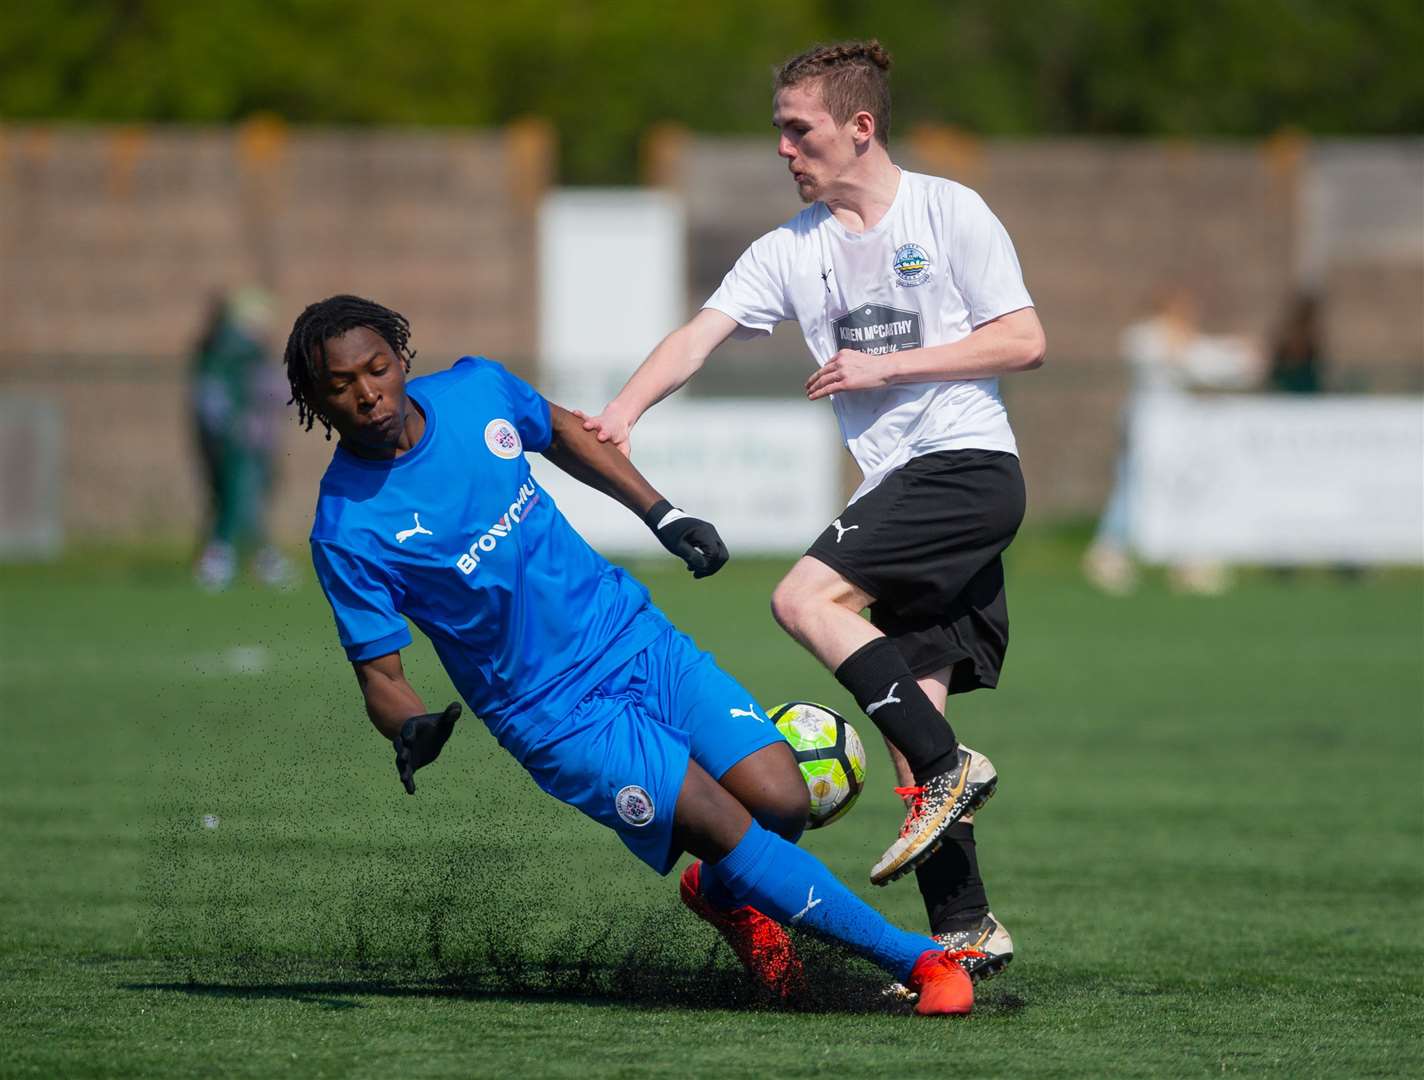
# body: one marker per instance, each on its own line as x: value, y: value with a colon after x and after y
x: 830, y: 754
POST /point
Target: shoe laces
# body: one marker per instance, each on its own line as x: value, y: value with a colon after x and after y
x: 950, y: 960
x: 917, y: 792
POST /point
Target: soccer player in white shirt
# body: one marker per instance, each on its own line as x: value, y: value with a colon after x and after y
x: 911, y: 301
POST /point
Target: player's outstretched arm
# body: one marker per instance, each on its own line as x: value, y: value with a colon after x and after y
x: 677, y: 358
x: 396, y: 710
x: 581, y: 453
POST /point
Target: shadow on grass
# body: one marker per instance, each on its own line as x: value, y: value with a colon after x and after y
x: 467, y: 927
x: 844, y: 993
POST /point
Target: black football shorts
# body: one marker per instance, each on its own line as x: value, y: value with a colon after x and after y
x: 926, y: 544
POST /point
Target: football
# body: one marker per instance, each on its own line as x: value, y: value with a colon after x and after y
x: 830, y: 754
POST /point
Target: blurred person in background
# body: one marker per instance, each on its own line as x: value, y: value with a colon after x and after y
x: 1296, y: 363
x: 238, y: 398
x: 1167, y: 353
x: 1297, y: 366
x: 912, y: 303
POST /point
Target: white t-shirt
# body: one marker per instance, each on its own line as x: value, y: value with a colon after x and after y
x: 938, y: 265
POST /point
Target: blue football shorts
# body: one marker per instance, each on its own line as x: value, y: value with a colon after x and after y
x: 621, y: 755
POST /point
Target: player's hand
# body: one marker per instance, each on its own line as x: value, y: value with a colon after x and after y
x: 849, y: 370
x: 691, y: 539
x: 420, y: 740
x: 610, y: 427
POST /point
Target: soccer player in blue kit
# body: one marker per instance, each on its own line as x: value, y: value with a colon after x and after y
x: 428, y: 511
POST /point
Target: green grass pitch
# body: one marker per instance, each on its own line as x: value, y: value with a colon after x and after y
x: 1208, y: 843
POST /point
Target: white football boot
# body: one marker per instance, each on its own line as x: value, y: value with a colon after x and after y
x: 936, y: 805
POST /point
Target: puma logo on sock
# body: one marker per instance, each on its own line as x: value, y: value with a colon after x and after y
x: 888, y: 699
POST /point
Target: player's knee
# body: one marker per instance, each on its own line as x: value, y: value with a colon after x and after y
x: 805, y: 596
x: 787, y: 803
x: 785, y: 811
x: 770, y: 785
x: 788, y: 606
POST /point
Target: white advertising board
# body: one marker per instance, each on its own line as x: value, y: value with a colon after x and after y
x: 765, y: 472
x: 1279, y: 480
x: 612, y: 283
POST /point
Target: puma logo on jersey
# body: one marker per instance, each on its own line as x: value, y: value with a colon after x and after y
x: 406, y: 534
x: 810, y: 903
x: 888, y: 699
x: 842, y: 530
x: 750, y: 710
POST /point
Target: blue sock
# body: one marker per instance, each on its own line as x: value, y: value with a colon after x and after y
x: 795, y: 888
x: 714, y: 888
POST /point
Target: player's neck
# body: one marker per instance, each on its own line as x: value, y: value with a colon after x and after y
x: 413, y: 431
x: 862, y: 198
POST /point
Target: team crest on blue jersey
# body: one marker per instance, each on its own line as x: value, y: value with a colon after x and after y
x: 502, y: 439
x: 634, y: 805
x: 911, y: 264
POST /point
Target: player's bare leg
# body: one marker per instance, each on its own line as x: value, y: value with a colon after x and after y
x: 769, y: 784
x: 765, y: 873
x: 821, y: 610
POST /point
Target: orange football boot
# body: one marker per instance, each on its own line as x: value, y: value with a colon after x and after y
x: 944, y: 986
x: 760, y: 943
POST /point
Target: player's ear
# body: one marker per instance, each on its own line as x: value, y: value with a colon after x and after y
x: 863, y: 127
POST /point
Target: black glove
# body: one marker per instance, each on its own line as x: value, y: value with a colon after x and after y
x: 691, y: 539
x: 420, y: 740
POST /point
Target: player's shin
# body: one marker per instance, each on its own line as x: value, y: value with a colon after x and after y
x: 881, y: 683
x: 796, y: 889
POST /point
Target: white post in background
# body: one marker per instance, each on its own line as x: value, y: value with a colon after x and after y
x: 612, y: 271
x: 32, y: 480
x: 612, y: 283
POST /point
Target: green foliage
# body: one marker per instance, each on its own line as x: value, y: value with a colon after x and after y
x: 604, y: 71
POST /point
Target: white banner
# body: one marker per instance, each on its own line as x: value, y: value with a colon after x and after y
x: 765, y: 472
x: 612, y: 283
x: 1278, y: 480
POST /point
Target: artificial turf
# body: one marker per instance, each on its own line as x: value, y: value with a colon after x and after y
x: 1208, y: 844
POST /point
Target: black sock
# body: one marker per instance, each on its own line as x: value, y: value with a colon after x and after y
x: 950, y: 883
x: 878, y: 677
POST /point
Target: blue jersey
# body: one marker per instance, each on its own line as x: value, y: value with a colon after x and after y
x: 456, y: 535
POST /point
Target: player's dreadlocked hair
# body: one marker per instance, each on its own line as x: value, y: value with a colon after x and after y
x: 852, y: 76
x: 330, y: 318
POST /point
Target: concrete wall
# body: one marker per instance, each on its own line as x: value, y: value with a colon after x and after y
x: 113, y: 240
